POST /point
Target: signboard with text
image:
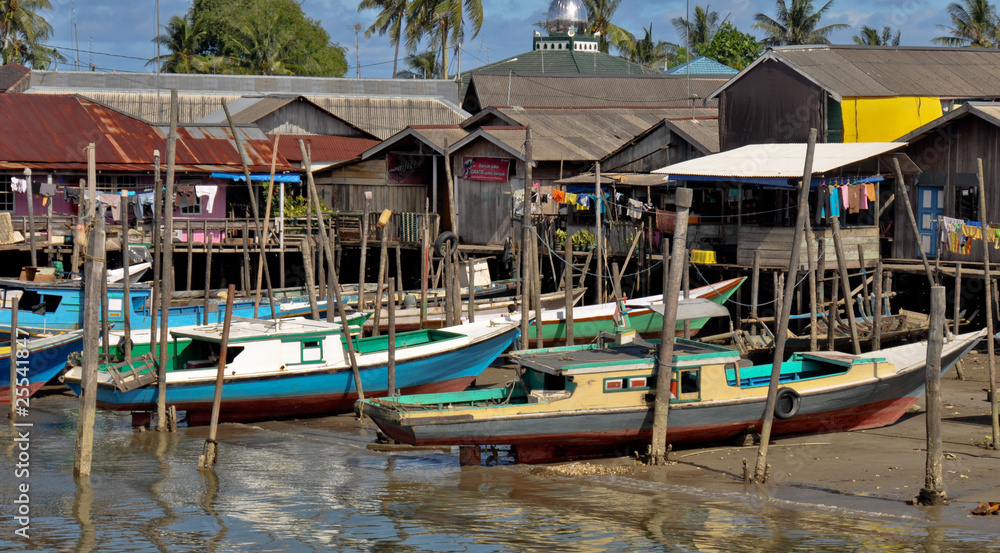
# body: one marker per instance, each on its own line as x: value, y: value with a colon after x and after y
x: 408, y: 169
x: 493, y: 169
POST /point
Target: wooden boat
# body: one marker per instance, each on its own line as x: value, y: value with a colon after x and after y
x: 46, y: 357
x: 581, y: 401
x: 409, y: 318
x: 296, y: 367
x: 53, y: 307
x: 591, y: 320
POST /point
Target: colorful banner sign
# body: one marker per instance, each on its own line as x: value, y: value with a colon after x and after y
x: 493, y: 169
x: 408, y: 169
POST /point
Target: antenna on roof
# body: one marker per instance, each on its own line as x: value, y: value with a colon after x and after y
x: 76, y: 35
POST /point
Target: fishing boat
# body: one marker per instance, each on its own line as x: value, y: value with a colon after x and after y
x: 53, y: 307
x: 296, y: 367
x: 45, y: 358
x: 593, y: 400
x: 591, y: 320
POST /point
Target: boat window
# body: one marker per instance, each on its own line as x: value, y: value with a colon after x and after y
x: 38, y: 304
x: 631, y: 383
x: 312, y: 351
x: 690, y: 384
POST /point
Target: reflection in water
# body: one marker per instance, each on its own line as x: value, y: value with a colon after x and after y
x: 294, y: 486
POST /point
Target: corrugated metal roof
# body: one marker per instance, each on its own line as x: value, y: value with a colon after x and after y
x: 53, y: 130
x: 435, y: 136
x: 246, y: 111
x: 701, y: 66
x: 240, y: 85
x: 323, y: 149
x: 589, y: 90
x: 702, y: 133
x: 986, y: 111
x: 378, y: 116
x: 777, y: 160
x: 565, y: 61
x: 13, y: 77
x: 882, y: 71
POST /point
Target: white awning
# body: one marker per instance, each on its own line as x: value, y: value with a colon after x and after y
x: 775, y: 161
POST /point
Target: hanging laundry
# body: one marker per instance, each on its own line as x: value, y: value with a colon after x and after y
x: 114, y: 202
x: 951, y: 234
x: 864, y: 197
x: 48, y: 189
x: 558, y: 196
x: 570, y: 198
x: 822, y: 200
x: 845, y: 197
x: 665, y: 221
x: 583, y: 200
x: 545, y: 198
x: 870, y: 192
x: 854, y: 195
x: 972, y: 230
x: 18, y: 184
x: 634, y: 208
x: 207, y: 191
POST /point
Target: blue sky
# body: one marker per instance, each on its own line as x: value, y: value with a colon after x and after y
x: 124, y: 29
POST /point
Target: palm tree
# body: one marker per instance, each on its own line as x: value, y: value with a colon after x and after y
x: 870, y: 36
x: 599, y: 14
x: 973, y: 24
x: 388, y: 21
x: 797, y: 23
x: 23, y: 33
x: 444, y: 21
x: 652, y: 54
x: 262, y: 47
x: 182, y: 40
x: 423, y: 64
x: 701, y: 30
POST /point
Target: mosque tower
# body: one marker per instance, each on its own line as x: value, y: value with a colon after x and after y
x: 567, y: 29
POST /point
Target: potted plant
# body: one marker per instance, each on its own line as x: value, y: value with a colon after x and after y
x: 583, y: 239
x: 561, y: 238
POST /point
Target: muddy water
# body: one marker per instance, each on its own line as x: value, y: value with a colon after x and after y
x: 313, y: 486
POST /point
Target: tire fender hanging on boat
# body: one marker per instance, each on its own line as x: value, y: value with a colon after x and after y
x: 787, y: 403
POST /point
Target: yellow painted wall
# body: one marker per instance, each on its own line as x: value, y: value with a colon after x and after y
x: 886, y: 119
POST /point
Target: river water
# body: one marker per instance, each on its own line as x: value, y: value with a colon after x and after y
x: 314, y: 486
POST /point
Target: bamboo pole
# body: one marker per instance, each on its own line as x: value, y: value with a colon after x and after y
x: 525, y: 238
x: 391, y: 384
x: 424, y: 265
x: 210, y: 453
x: 329, y: 258
x: 472, y: 290
x: 14, y: 307
x: 933, y: 491
x: 91, y: 356
x: 382, y: 262
x: 877, y: 315
x: 811, y: 259
x: 598, y: 233
x: 754, y: 289
x: 845, y: 284
x: 568, y: 280
x: 864, y: 279
x: 990, y: 348
x: 307, y: 267
x: 901, y: 191
x: 264, y: 238
x: 658, y: 448
x: 208, y: 276
x: 957, y: 301
x: 686, y: 274
x: 832, y: 315
x: 31, y: 219
x: 126, y: 285
x: 781, y: 335
x: 167, y: 271
x: 364, y: 258
x: 536, y: 291
x: 450, y: 188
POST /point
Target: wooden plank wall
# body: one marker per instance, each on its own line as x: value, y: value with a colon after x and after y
x: 344, y: 189
x: 774, y: 245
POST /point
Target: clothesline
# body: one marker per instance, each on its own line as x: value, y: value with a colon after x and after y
x: 958, y: 234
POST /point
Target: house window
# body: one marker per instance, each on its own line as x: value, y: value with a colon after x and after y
x: 6, y: 194
x: 193, y: 208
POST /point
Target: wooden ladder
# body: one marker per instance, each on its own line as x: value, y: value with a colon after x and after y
x: 580, y: 269
x: 129, y: 375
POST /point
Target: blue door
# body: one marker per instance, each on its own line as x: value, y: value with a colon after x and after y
x: 930, y: 208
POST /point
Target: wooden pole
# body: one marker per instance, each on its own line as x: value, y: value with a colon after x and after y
x: 391, y: 384
x: 811, y: 259
x: 322, y: 281
x: 126, y: 285
x: 450, y: 188
x: 831, y: 314
x: 264, y: 237
x: 425, y: 251
x: 14, y: 307
x: 990, y: 348
x: 91, y: 180
x: 208, y: 277
x: 80, y: 231
x: 253, y: 205
x: 686, y: 274
x: 364, y: 258
x: 190, y: 256
x: 210, y: 454
x: 105, y: 327
x: 754, y: 289
x: 845, y: 284
x: 598, y: 233
x: 48, y: 221
x: 933, y: 491
x: 166, y: 282
x: 382, y: 262
x: 31, y: 219
x: 525, y: 240
x: 307, y: 267
x: 472, y: 290
x: 536, y: 291
x: 781, y: 334
x: 154, y: 294
x: 864, y: 279
x: 658, y: 448
x: 88, y: 372
x: 399, y: 273
x: 877, y: 315
x: 568, y: 281
x: 329, y: 259
x: 901, y: 191
x: 957, y: 309
x: 247, y: 285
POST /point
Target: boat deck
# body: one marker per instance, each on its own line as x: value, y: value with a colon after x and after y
x: 591, y: 358
x: 250, y: 329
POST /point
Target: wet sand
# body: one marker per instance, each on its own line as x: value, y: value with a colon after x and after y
x: 887, y: 463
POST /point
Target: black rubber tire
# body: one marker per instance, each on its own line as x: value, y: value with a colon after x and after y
x: 120, y: 346
x: 447, y: 236
x: 787, y: 403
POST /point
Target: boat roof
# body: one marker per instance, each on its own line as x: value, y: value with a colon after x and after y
x: 591, y: 358
x: 63, y: 284
x: 244, y: 330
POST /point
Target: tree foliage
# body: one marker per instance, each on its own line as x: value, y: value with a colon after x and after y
x: 796, y: 23
x: 870, y: 36
x: 599, y: 14
x: 389, y: 21
x: 973, y: 23
x: 268, y: 37
x: 700, y: 31
x: 23, y: 33
x: 732, y: 47
x: 653, y: 54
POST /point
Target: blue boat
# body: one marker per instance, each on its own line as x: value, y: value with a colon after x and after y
x: 45, y: 359
x: 53, y: 307
x: 298, y: 367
